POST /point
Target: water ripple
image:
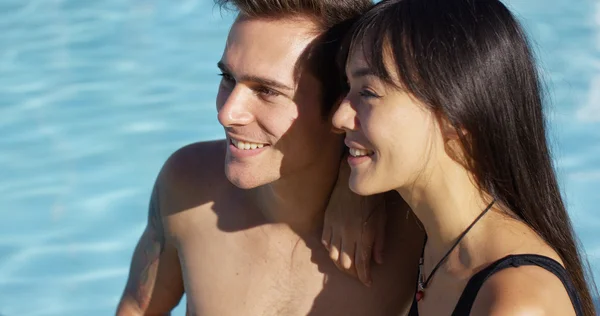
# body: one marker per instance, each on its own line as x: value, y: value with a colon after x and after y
x: 95, y: 95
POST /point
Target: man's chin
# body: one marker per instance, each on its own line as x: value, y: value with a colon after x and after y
x: 244, y: 185
x: 243, y: 180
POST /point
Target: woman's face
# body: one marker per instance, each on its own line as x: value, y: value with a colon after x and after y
x: 393, y: 139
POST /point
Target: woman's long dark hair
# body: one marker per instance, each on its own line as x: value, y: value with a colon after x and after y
x: 470, y: 62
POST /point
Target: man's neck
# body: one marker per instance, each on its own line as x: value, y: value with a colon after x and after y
x: 300, y: 199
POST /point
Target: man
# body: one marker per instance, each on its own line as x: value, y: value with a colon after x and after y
x: 247, y: 241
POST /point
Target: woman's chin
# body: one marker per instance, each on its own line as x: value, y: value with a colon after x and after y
x: 362, y: 186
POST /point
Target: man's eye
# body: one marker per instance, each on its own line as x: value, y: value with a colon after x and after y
x: 227, y: 77
x: 266, y: 92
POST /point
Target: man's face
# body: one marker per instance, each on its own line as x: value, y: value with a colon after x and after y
x: 271, y: 116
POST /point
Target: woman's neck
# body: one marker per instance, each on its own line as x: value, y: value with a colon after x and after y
x: 446, y: 205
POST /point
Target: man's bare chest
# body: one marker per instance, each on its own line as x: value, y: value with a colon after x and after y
x: 264, y: 271
x: 248, y: 275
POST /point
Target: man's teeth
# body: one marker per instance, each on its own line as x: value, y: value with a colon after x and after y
x: 355, y: 152
x: 245, y: 146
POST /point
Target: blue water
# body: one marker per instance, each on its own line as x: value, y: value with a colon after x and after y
x: 94, y: 96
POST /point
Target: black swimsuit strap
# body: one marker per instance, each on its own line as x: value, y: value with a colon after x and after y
x: 467, y: 298
x: 465, y: 303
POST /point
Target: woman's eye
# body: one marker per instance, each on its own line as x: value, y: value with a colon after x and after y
x: 368, y: 94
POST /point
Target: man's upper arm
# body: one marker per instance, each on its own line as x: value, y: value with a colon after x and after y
x: 155, y: 284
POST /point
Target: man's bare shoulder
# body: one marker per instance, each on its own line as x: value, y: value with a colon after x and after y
x: 195, y: 191
x: 192, y: 176
x: 192, y: 165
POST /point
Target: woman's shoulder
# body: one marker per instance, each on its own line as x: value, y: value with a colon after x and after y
x: 524, y: 290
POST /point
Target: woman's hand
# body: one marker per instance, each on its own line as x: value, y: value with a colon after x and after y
x: 354, y: 228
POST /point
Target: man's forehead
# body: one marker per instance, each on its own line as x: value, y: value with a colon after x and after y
x: 267, y: 47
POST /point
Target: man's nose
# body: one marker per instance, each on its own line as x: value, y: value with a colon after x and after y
x: 235, y: 111
x: 345, y: 117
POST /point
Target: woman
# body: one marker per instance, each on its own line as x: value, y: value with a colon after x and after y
x: 445, y: 107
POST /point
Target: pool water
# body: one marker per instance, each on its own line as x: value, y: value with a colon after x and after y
x: 95, y: 95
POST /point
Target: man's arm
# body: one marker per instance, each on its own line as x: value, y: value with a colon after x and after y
x: 155, y: 284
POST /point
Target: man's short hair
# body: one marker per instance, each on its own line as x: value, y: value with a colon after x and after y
x: 333, y: 19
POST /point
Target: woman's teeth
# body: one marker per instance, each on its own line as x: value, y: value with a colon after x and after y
x: 245, y: 146
x: 355, y: 152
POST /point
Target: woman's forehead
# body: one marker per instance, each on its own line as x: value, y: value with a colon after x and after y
x: 363, y: 57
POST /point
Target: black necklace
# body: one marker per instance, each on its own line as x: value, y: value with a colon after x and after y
x: 424, y: 282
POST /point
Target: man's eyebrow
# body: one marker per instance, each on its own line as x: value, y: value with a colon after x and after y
x: 256, y: 79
